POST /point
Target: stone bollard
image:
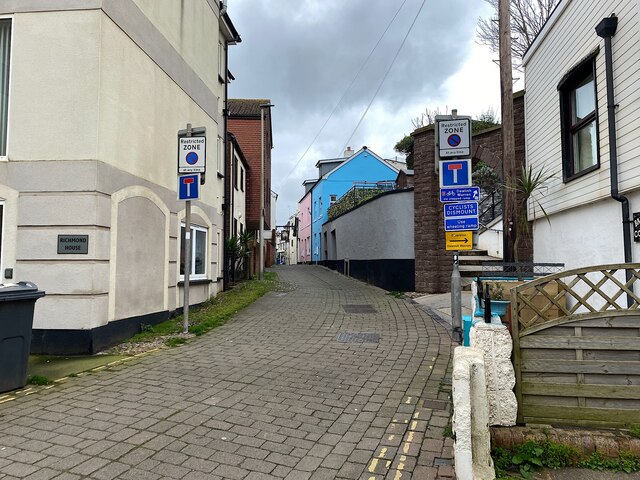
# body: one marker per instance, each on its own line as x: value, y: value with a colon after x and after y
x: 496, y: 344
x: 472, y: 446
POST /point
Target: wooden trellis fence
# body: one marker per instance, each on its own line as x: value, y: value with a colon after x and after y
x: 577, y: 347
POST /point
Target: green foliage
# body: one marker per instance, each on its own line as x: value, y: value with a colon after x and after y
x: 146, y: 328
x: 38, y: 380
x: 448, y: 432
x: 485, y: 177
x: 405, y: 147
x: 352, y: 199
x: 530, y: 456
x: 175, y: 341
x: 485, y: 120
x: 626, y: 462
x: 634, y: 431
x: 396, y: 294
x: 212, y: 313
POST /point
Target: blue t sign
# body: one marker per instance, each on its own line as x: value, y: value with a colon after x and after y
x: 455, y: 173
x: 189, y: 187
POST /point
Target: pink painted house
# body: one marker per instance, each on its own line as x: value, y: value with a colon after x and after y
x: 304, y: 223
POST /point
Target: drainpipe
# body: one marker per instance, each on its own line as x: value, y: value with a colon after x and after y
x: 607, y: 29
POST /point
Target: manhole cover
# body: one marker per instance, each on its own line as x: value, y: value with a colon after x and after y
x: 346, y: 337
x: 366, y: 308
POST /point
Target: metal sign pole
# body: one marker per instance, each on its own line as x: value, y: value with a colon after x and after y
x: 456, y: 301
x: 187, y: 256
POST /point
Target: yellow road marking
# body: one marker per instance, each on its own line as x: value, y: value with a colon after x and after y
x: 414, y: 425
x: 373, y: 465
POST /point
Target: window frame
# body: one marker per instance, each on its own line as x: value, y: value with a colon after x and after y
x: 192, y: 275
x: 4, y: 156
x: 566, y: 88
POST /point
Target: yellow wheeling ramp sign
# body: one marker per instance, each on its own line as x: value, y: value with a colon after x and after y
x: 458, y: 240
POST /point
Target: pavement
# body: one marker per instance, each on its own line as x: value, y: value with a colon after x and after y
x: 329, y: 379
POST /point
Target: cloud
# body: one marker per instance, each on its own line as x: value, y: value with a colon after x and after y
x: 302, y: 54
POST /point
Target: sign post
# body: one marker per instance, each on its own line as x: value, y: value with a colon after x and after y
x: 453, y: 165
x: 192, y: 160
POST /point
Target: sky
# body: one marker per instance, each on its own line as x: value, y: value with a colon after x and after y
x: 304, y: 55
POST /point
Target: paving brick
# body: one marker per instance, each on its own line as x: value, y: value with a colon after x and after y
x: 270, y: 395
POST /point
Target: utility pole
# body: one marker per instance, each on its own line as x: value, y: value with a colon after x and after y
x: 262, y: 192
x: 509, y: 173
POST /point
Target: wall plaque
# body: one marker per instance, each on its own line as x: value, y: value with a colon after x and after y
x: 78, y: 244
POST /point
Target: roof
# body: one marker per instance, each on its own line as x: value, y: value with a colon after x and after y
x: 407, y: 172
x: 230, y: 32
x: 388, y: 163
x: 246, y: 107
x: 398, y: 165
x: 331, y: 160
x: 548, y: 25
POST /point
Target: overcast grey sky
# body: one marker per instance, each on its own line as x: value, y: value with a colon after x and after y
x: 303, y: 54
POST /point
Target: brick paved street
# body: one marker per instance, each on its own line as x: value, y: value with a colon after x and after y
x: 294, y: 387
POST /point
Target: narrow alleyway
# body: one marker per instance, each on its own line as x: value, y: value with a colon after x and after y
x: 331, y: 379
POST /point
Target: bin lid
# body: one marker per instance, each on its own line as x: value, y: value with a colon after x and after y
x: 19, y: 291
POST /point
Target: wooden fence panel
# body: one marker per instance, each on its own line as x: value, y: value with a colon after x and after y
x: 577, y: 347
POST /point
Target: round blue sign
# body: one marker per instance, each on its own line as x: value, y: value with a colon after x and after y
x: 192, y: 158
x: 454, y: 140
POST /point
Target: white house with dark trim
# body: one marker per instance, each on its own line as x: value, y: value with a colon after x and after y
x: 93, y: 94
x: 582, y: 119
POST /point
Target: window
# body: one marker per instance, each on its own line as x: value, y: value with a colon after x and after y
x: 242, y: 179
x: 579, y: 120
x: 235, y: 172
x: 5, y: 48
x: 333, y: 198
x: 198, y: 253
x: 219, y: 155
x: 220, y: 62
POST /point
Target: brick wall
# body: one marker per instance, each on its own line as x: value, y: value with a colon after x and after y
x: 248, y: 133
x: 433, y: 263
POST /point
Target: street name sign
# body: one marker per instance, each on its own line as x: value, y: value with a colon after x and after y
x: 189, y: 187
x: 454, y: 137
x: 455, y: 173
x: 458, y: 240
x: 459, y: 194
x: 192, y: 154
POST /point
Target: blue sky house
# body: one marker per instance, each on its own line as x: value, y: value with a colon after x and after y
x: 336, y: 177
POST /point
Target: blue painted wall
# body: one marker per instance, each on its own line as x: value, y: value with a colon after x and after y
x: 361, y: 167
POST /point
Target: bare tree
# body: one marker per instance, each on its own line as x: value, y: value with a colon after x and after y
x: 527, y: 19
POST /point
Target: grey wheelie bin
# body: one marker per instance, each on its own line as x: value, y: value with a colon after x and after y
x: 17, y: 302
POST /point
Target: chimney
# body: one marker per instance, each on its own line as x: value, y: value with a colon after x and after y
x: 348, y: 152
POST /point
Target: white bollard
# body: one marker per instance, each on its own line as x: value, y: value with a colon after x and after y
x: 472, y: 446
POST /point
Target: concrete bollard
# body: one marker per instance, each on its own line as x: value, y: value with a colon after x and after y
x: 472, y: 446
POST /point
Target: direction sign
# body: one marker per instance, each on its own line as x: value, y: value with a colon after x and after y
x: 460, y: 209
x: 192, y: 154
x: 455, y: 173
x: 460, y: 223
x: 454, y: 137
x: 459, y: 194
x: 458, y: 240
x: 189, y: 187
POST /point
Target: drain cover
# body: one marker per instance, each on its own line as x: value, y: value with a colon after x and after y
x: 366, y: 308
x: 346, y: 337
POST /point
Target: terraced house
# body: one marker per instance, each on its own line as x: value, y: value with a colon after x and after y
x: 93, y: 94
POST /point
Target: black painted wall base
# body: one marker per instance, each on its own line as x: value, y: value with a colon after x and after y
x: 78, y: 342
x: 389, y: 274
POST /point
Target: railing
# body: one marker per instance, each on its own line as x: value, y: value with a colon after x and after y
x: 359, y: 193
x: 490, y: 207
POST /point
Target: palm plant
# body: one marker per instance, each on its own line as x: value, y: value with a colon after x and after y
x: 528, y: 186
